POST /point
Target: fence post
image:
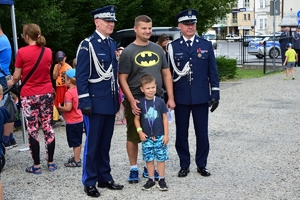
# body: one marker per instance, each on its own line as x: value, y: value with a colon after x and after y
x: 265, y: 57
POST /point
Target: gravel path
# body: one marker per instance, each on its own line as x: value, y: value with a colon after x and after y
x: 254, y: 141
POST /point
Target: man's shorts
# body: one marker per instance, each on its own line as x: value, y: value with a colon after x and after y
x: 155, y: 150
x: 74, y: 134
x: 290, y: 65
x: 132, y: 134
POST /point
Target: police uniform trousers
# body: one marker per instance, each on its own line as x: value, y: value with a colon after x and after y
x: 200, y: 119
x: 96, y: 160
x: 283, y: 50
x: 298, y: 52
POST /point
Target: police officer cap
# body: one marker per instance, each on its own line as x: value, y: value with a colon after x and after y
x: 188, y: 16
x: 107, y: 13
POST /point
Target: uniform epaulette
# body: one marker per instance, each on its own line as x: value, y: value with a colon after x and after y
x: 176, y: 40
x: 88, y: 39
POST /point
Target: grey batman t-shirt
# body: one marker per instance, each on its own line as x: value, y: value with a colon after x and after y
x: 139, y: 60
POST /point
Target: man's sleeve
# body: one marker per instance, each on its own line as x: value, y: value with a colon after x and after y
x: 82, y: 75
x: 213, y: 75
x: 124, y: 63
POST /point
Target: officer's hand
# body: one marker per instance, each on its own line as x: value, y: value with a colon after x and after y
x: 86, y: 111
x: 213, y: 103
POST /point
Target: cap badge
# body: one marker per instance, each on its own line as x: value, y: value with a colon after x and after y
x: 190, y: 13
x: 112, y: 8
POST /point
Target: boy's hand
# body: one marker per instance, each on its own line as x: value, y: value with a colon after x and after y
x: 59, y: 107
x: 143, y: 136
x: 165, y: 139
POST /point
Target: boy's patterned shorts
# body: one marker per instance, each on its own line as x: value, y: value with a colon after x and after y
x: 155, y: 150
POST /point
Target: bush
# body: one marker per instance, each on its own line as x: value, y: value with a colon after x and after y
x: 226, y: 67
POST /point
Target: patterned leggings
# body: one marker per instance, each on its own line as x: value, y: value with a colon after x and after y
x: 34, y: 107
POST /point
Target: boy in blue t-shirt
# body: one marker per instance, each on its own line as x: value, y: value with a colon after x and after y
x: 152, y: 127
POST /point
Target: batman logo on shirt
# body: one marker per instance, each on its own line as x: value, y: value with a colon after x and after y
x: 146, y: 59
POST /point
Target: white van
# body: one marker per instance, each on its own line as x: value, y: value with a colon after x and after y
x: 211, y: 36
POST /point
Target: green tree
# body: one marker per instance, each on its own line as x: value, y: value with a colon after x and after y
x: 163, y: 13
x: 65, y: 23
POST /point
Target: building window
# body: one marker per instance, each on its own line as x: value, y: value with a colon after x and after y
x: 247, y: 4
x: 266, y: 23
x: 261, y: 3
x: 249, y: 17
x: 234, y: 18
x: 245, y: 17
x: 261, y: 23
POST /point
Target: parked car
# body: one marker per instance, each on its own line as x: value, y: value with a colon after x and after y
x: 249, y: 38
x: 212, y: 38
x: 126, y: 36
x: 233, y: 38
x: 256, y: 48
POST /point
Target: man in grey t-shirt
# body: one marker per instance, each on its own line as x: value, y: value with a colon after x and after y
x: 139, y: 58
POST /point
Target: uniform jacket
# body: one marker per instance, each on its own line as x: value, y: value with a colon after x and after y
x: 296, y: 40
x: 97, y: 95
x: 284, y: 39
x: 203, y: 82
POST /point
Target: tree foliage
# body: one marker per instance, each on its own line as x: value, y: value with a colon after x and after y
x: 64, y: 23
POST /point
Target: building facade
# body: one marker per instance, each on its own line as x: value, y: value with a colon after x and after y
x: 253, y: 17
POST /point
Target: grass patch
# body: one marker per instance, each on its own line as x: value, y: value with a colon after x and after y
x: 251, y: 73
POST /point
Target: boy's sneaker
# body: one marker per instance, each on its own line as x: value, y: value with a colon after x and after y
x: 293, y: 78
x: 146, y: 175
x: 286, y: 78
x: 13, y: 142
x: 149, y: 184
x: 133, y: 176
x: 162, y: 185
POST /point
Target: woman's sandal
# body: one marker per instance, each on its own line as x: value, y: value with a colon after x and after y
x: 73, y: 163
x: 33, y: 170
x: 52, y: 167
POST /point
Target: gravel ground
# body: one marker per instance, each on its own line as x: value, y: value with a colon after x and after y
x: 254, y: 141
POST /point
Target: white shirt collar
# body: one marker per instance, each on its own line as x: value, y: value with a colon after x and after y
x: 192, y: 39
x: 101, y: 36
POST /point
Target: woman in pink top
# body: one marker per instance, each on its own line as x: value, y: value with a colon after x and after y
x: 36, y: 94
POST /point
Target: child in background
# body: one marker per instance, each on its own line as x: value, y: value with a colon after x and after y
x: 74, y: 119
x: 120, y: 118
x: 152, y: 127
x: 59, y: 76
x: 290, y: 58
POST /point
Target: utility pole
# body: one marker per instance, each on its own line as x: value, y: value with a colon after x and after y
x: 274, y: 19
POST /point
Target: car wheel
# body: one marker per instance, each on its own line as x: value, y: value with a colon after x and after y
x: 259, y: 56
x: 274, y: 53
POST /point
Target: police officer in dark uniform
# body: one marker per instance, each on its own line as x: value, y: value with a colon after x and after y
x: 283, y: 40
x: 96, y: 76
x: 196, y: 88
x: 296, y: 43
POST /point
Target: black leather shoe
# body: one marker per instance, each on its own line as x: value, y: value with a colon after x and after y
x: 92, y: 191
x: 203, y: 171
x: 111, y: 185
x: 183, y: 172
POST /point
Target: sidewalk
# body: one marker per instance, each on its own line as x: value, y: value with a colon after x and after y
x: 254, y: 153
